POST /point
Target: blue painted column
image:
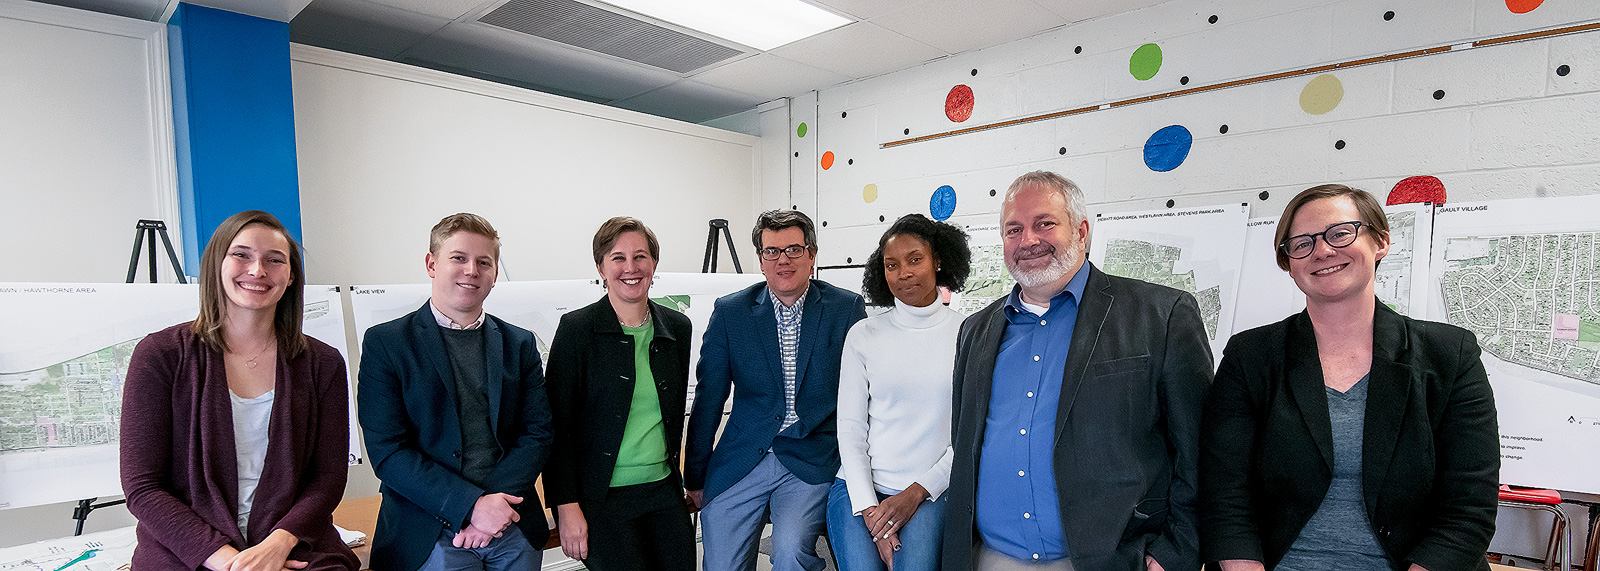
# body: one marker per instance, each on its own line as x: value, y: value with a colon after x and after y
x: 233, y: 110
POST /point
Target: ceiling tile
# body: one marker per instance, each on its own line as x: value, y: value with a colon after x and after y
x: 500, y: 52
x: 862, y: 49
x: 769, y: 76
x: 957, y: 26
x: 138, y: 9
x: 864, y: 9
x: 1080, y: 10
x: 383, y: 31
x: 690, y: 101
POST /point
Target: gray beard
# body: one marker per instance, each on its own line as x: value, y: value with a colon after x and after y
x: 1060, y: 264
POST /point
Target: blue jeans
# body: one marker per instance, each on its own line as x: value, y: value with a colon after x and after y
x: 509, y: 552
x: 920, y: 538
x: 730, y: 524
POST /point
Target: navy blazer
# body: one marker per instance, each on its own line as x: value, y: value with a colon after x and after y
x: 406, y: 401
x: 740, y: 350
x: 1430, y: 452
x: 1127, y: 426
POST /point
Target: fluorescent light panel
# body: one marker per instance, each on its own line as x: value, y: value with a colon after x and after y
x: 760, y: 24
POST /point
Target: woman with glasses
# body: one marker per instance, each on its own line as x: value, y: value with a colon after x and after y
x: 235, y: 426
x: 885, y: 509
x: 1347, y: 436
x: 618, y: 379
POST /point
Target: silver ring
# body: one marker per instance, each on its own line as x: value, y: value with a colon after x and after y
x: 891, y: 522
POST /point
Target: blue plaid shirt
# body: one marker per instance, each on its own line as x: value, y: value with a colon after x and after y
x: 788, y: 346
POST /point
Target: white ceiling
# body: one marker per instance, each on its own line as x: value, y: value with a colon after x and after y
x: 887, y: 35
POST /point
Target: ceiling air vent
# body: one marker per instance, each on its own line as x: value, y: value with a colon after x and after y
x: 591, y: 28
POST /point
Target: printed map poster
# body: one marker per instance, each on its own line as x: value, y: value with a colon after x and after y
x: 64, y: 353
x: 989, y: 279
x: 1198, y: 250
x: 1401, y: 281
x: 1523, y: 276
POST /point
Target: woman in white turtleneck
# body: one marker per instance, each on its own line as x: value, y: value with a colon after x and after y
x: 885, y: 508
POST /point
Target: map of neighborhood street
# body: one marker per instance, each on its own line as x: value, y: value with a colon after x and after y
x: 72, y: 403
x: 1153, y: 263
x: 1532, y: 299
x: 989, y: 279
x: 1394, y: 272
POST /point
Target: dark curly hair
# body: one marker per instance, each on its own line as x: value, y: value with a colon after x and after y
x: 949, y: 245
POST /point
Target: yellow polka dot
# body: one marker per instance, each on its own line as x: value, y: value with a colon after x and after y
x: 1322, y: 94
x: 869, y: 193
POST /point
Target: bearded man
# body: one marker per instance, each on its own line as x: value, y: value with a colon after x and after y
x: 1077, y: 407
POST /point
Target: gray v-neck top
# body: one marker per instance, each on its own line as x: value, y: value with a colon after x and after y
x: 1339, y: 536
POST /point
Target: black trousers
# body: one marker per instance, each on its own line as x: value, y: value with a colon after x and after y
x: 640, y: 527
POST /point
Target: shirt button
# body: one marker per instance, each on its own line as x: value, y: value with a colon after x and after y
x: 1030, y: 394
x: 1024, y: 431
x: 1043, y: 322
x: 1036, y: 556
x: 1026, y: 515
x: 1021, y: 473
x: 1036, y: 357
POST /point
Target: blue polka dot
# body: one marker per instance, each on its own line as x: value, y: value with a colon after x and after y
x: 943, y: 203
x: 1167, y: 148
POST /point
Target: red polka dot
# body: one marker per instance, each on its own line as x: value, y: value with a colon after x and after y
x: 958, y: 104
x: 1522, y: 6
x: 1417, y: 189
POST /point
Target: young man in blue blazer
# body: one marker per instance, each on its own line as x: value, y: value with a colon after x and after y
x: 453, y: 409
x: 778, y: 344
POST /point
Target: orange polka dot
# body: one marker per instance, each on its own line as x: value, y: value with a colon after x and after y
x: 1523, y: 6
x: 827, y: 160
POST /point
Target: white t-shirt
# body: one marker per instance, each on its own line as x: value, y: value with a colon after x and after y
x: 250, y: 420
x: 895, y: 402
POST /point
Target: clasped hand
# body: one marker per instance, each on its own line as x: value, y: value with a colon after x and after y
x: 491, y: 515
x: 271, y: 554
x: 893, y: 512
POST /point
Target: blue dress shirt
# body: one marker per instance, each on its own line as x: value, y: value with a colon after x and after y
x: 1018, y: 513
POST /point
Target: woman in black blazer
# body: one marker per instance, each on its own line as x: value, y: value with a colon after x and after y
x: 1347, y: 436
x: 618, y: 377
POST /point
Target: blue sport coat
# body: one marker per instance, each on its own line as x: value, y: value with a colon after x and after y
x: 740, y: 351
x: 406, y: 401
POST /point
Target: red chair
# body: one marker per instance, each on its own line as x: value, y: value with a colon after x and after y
x: 1560, y: 531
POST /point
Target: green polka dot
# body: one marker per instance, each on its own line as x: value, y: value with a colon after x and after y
x: 1146, y: 61
x: 801, y: 131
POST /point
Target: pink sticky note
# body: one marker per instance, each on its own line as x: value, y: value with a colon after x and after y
x: 1564, y: 326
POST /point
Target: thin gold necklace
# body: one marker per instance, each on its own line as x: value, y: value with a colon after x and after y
x: 251, y: 362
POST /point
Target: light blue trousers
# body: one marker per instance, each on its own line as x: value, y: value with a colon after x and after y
x: 731, y: 523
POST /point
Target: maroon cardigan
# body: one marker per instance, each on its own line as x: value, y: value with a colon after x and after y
x: 179, y: 469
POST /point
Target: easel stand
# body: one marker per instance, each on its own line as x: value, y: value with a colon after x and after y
x: 81, y: 513
x: 152, y: 228
x: 709, y: 266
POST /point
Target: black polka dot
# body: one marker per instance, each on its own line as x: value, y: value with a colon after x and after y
x: 849, y: 260
x: 1563, y: 70
x: 907, y: 131
x: 797, y: 154
x: 1183, y: 80
x: 1339, y: 144
x: 1077, y: 50
x: 1264, y: 195
x: 1171, y: 203
x: 991, y: 192
x: 880, y: 218
x: 850, y: 162
x: 1212, y: 19
x: 974, y: 72
x: 1388, y: 15
x: 843, y: 114
x: 1223, y: 129
x: 1438, y: 94
x: 1062, y: 151
x: 824, y: 223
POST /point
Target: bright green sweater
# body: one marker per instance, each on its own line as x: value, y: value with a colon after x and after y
x: 642, y: 458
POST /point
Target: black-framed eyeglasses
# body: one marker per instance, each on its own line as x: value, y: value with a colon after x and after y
x: 1337, y: 235
x: 793, y: 251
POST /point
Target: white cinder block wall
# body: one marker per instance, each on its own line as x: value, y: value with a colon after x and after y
x: 1490, y: 122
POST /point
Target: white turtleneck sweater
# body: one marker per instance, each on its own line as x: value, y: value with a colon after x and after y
x: 895, y: 402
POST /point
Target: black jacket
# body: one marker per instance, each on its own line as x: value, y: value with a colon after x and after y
x: 1127, y: 426
x: 1430, y: 450
x: 591, y: 381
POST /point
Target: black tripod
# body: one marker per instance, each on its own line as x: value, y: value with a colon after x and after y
x: 710, y: 263
x: 152, y: 228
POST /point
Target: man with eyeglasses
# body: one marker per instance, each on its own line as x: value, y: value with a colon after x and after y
x: 779, y: 344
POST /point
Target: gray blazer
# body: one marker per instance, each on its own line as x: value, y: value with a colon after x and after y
x: 1127, y: 426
